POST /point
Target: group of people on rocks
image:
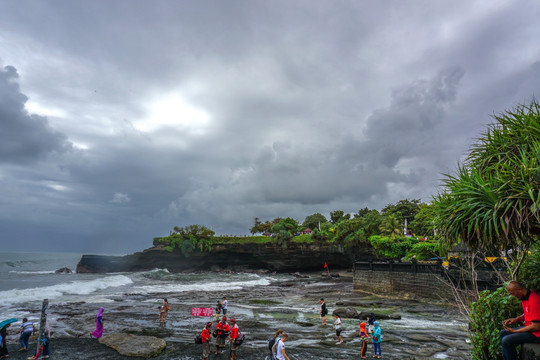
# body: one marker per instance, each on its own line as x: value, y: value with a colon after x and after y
x: 27, y: 330
x: 511, y: 337
x: 373, y: 330
x: 224, y: 332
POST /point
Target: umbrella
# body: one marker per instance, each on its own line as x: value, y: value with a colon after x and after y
x: 7, y: 322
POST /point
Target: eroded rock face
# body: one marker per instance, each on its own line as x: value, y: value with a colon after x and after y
x: 133, y: 345
x: 64, y: 270
x: 232, y: 257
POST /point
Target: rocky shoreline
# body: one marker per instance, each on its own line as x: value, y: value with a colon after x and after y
x: 425, y: 331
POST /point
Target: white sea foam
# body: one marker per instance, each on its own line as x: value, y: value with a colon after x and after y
x: 81, y: 287
x: 32, y: 272
x: 203, y: 286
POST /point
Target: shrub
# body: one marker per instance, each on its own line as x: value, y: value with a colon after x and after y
x: 303, y: 239
x: 392, y: 248
x: 486, y: 317
x: 529, y: 274
x: 424, y: 250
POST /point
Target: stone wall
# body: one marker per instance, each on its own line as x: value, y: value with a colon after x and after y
x: 403, y: 279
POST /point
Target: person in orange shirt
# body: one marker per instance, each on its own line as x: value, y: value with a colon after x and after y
x: 364, y: 338
x: 205, y: 336
x: 222, y: 332
x: 232, y: 338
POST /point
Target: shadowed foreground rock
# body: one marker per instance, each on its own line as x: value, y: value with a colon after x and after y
x: 133, y: 345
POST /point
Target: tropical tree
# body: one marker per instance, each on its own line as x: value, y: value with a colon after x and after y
x: 312, y: 221
x: 338, y: 215
x: 391, y: 226
x: 493, y: 200
x: 403, y: 209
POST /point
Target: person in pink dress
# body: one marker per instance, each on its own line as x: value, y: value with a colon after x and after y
x: 99, y: 324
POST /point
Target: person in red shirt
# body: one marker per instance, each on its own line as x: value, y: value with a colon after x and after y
x: 206, y: 336
x: 530, y: 331
x: 222, y: 332
x: 232, y: 337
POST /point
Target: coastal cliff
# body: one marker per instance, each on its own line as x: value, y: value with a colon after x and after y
x: 234, y: 257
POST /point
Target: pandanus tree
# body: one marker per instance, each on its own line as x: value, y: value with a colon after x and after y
x: 492, y: 202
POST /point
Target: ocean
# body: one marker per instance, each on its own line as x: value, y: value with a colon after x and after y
x: 28, y: 278
x: 261, y: 303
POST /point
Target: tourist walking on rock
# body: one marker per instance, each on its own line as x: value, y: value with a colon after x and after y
x: 98, y: 332
x: 222, y: 332
x: 4, y: 353
x: 232, y: 338
x: 363, y: 338
x: 377, y: 338
x: 530, y: 331
x: 370, y: 319
x: 206, y: 335
x: 163, y: 312
x: 224, y: 305
x: 27, y: 329
x: 219, y: 306
x: 323, y: 311
x: 272, y: 343
x: 337, y: 326
x: 280, y: 352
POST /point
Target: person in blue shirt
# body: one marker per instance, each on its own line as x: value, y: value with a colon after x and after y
x: 377, y: 338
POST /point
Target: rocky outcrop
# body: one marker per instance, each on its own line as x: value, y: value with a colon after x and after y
x: 232, y: 257
x: 530, y: 352
x: 351, y: 313
x: 133, y: 345
x: 64, y: 270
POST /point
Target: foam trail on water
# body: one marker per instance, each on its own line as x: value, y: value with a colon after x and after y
x: 15, y: 296
x: 208, y: 286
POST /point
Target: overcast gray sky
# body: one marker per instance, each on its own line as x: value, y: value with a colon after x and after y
x: 122, y: 119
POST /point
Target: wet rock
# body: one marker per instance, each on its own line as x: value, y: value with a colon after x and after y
x: 64, y: 270
x: 133, y: 345
x: 378, y: 316
x: 156, y: 332
x: 348, y: 313
x: 300, y: 276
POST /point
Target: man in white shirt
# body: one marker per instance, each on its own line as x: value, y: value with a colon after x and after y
x: 280, y: 353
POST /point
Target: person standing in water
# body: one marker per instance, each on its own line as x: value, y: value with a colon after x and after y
x: 377, y: 338
x: 363, y: 338
x: 219, y: 306
x: 324, y: 311
x: 224, y: 305
x: 163, y: 312
x: 99, y: 324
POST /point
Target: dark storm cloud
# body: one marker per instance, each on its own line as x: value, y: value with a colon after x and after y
x: 24, y: 137
x: 308, y: 107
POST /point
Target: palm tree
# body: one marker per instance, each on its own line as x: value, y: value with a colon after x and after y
x: 391, y: 226
x: 493, y: 201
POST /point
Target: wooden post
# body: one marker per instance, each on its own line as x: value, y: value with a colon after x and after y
x: 42, y: 325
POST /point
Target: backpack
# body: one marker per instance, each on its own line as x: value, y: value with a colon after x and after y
x: 198, y: 339
x: 240, y: 339
x: 271, y: 343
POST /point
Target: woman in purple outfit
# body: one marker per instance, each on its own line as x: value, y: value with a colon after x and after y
x: 99, y: 324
